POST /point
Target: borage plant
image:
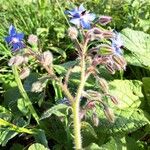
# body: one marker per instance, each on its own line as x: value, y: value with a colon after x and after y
x: 95, y: 46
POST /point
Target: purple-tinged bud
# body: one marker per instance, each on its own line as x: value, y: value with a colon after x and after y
x: 82, y: 114
x: 94, y: 34
x: 109, y: 114
x: 120, y: 61
x: 108, y: 34
x: 72, y: 33
x: 94, y: 95
x: 24, y: 73
x: 33, y: 39
x: 110, y: 68
x: 95, y: 119
x: 91, y: 105
x: 114, y: 99
x: 37, y: 87
x: 105, y: 50
x: 47, y: 58
x: 16, y: 60
x: 103, y: 20
x: 103, y: 84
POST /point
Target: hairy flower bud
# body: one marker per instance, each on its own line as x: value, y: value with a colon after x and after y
x: 16, y: 60
x: 113, y: 98
x: 91, y: 104
x: 32, y: 39
x: 109, y: 114
x: 103, y: 20
x: 82, y: 114
x: 37, y: 86
x: 120, y: 61
x: 47, y: 58
x: 110, y: 68
x: 95, y: 119
x: 105, y: 50
x: 72, y: 33
x: 24, y: 73
x: 103, y: 84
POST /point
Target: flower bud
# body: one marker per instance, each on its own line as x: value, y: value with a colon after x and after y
x: 24, y: 73
x: 82, y: 113
x: 32, y: 39
x: 91, y: 104
x: 16, y: 60
x: 72, y: 33
x: 37, y: 87
x: 105, y: 50
x: 47, y: 58
x: 95, y: 119
x: 103, y: 20
x: 103, y: 84
x: 109, y: 114
x: 110, y: 68
x: 114, y: 99
x: 120, y: 61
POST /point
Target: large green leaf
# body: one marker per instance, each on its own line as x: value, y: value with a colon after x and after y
x: 128, y: 116
x: 146, y: 85
x: 37, y: 146
x: 138, y: 43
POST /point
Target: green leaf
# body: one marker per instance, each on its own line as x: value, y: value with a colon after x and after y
x: 110, y: 145
x: 138, y: 43
x: 59, y: 51
x: 37, y: 146
x: 128, y: 116
x: 5, y: 114
x: 93, y: 146
x: 54, y: 110
x: 128, y: 92
x: 59, y: 69
x: 5, y: 135
x: 146, y: 85
x: 22, y: 106
x: 88, y: 133
x: 40, y: 137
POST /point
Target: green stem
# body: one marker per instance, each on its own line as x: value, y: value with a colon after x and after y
x: 15, y: 128
x: 76, y: 104
x: 24, y: 94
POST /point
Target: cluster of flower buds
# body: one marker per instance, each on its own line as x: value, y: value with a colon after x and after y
x: 20, y: 58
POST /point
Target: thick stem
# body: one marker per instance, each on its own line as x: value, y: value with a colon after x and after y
x: 76, y: 104
x: 24, y: 94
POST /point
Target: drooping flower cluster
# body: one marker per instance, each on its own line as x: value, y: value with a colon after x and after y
x: 107, y: 52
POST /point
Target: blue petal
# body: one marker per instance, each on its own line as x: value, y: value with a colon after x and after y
x: 19, y: 36
x: 85, y: 24
x: 12, y: 30
x: 72, y: 12
x: 75, y: 21
x: 8, y: 39
x: 81, y: 8
x: 17, y: 46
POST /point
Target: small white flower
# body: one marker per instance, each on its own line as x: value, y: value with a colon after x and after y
x: 47, y: 58
x: 24, y: 73
x: 37, y: 86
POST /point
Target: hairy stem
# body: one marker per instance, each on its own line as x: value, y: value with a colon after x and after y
x: 24, y: 94
x: 76, y: 104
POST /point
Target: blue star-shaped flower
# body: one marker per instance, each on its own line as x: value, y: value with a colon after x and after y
x: 117, y: 44
x: 80, y: 17
x: 15, y: 40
